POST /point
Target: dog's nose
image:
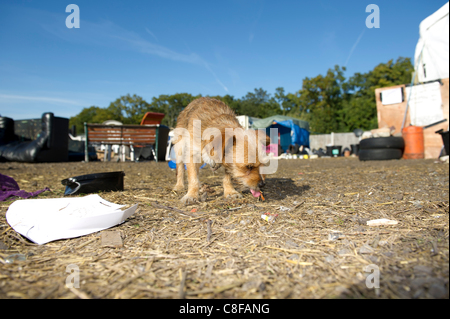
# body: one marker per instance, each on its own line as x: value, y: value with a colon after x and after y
x: 261, y: 184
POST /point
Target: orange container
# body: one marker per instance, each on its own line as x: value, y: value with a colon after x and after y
x: 414, y: 145
x: 152, y: 118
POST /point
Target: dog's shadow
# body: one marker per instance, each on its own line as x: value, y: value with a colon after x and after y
x: 280, y: 188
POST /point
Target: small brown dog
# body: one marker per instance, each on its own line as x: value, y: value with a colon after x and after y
x: 197, y: 124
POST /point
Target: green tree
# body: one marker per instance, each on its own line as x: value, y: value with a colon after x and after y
x: 171, y: 106
x: 259, y: 104
x: 129, y: 109
x: 321, y: 100
x: 328, y: 102
x: 126, y: 109
x: 280, y: 97
x: 93, y: 114
x: 234, y: 104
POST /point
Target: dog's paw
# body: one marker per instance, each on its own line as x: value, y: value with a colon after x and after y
x: 188, y: 200
x: 234, y: 195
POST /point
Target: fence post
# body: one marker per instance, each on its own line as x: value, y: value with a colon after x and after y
x: 156, y: 142
x: 86, y: 153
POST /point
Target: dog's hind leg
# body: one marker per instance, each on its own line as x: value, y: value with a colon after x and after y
x: 228, y: 189
x: 193, y: 183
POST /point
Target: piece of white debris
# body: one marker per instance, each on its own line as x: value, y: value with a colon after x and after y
x: 381, y: 222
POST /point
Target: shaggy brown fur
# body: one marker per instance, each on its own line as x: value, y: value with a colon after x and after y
x: 214, y: 114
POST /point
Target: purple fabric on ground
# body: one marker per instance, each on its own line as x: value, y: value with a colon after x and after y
x: 9, y: 187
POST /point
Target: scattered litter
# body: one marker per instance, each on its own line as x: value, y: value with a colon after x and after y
x: 335, y: 236
x: 382, y: 243
x: 417, y: 203
x: 45, y: 220
x: 269, y: 217
x: 193, y: 210
x: 261, y: 197
x: 112, y: 239
x: 284, y: 209
x: 235, y: 208
x: 444, y: 158
x: 381, y: 222
x: 15, y: 257
x: 363, y: 221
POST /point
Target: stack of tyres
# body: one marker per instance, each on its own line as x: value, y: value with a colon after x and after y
x: 381, y: 148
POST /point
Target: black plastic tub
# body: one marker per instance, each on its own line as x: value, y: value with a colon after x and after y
x: 94, y: 183
x: 334, y: 150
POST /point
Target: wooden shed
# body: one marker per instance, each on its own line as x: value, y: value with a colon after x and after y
x: 392, y: 115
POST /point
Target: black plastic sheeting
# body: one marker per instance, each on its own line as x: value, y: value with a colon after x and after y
x: 50, y: 144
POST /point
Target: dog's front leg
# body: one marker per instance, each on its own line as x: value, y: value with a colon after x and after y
x: 228, y: 189
x: 193, y: 184
x: 180, y: 177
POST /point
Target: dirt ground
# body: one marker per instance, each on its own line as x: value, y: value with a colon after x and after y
x: 318, y: 247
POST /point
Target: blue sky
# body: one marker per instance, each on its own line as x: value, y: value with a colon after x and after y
x: 150, y: 48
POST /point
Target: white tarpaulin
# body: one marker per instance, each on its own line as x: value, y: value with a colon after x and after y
x: 431, y: 56
x: 425, y: 103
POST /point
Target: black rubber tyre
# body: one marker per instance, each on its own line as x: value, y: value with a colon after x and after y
x: 380, y: 154
x: 382, y: 142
